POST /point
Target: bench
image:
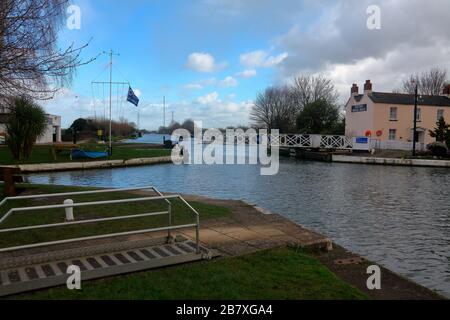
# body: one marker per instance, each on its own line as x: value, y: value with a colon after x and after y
x: 10, y: 176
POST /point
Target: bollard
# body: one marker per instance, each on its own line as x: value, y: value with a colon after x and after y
x: 69, y: 210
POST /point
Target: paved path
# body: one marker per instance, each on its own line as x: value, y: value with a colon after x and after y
x: 248, y: 229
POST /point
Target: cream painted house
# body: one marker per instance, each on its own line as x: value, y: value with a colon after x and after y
x: 52, y: 132
x: 388, y: 118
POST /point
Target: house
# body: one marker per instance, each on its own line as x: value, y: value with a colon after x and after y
x: 52, y: 132
x: 388, y: 118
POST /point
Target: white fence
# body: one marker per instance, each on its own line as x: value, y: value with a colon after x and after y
x: 311, y: 141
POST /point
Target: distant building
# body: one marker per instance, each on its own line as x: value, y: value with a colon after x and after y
x: 52, y: 132
x: 388, y: 118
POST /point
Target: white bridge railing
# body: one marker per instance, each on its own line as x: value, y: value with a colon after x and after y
x: 312, y: 141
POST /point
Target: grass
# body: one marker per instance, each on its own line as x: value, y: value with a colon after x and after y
x: 284, y: 273
x: 276, y: 274
x: 180, y: 215
x: 43, y: 154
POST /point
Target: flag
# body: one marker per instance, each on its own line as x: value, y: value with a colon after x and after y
x: 132, y: 97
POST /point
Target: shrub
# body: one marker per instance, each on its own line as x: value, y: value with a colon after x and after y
x: 26, y: 123
x: 438, y: 149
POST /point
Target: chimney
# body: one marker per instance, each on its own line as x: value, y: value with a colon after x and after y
x: 446, y: 91
x: 355, y: 90
x: 368, y: 87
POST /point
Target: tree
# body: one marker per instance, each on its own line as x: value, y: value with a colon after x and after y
x: 31, y: 63
x: 309, y: 89
x: 274, y: 109
x: 318, y: 117
x: 441, y: 132
x: 429, y: 82
x: 27, y: 122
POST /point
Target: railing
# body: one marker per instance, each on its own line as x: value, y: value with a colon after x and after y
x: 311, y: 141
x: 69, y: 206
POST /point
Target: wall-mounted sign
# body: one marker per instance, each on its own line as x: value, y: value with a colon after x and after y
x: 362, y: 140
x: 359, y: 108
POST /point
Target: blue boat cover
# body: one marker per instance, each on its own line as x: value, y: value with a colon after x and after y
x: 82, y: 154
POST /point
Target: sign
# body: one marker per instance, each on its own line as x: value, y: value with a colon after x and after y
x: 362, y: 140
x: 359, y: 108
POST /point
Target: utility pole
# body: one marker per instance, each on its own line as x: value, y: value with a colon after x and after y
x: 415, y: 119
x: 164, y: 107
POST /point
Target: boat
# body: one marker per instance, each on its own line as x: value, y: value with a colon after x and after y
x: 84, y: 154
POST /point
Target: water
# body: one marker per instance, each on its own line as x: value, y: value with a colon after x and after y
x: 150, y: 138
x: 396, y: 216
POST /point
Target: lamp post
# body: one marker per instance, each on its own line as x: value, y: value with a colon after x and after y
x: 416, y: 96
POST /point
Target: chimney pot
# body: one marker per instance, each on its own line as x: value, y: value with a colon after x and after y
x: 368, y: 86
x: 447, y: 90
x: 355, y: 89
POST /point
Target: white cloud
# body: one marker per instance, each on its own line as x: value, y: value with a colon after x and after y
x: 193, y: 86
x: 203, y: 62
x: 248, y: 73
x: 413, y: 37
x: 261, y: 59
x: 208, y: 98
x: 228, y: 82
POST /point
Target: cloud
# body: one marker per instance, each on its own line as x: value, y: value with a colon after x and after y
x: 208, y: 98
x: 261, y: 59
x: 203, y: 62
x: 413, y: 37
x: 249, y: 73
x: 228, y: 82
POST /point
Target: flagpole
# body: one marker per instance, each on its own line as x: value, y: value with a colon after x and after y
x: 110, y: 101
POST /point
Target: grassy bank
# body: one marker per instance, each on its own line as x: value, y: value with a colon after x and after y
x: 273, y: 274
x: 180, y: 215
x: 283, y: 273
x: 44, y: 154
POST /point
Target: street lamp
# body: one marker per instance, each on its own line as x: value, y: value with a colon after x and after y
x: 416, y: 98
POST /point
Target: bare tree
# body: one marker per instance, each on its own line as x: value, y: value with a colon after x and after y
x: 31, y: 64
x: 274, y: 109
x: 308, y: 89
x: 429, y: 82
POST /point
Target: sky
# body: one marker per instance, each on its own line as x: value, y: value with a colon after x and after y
x: 210, y: 58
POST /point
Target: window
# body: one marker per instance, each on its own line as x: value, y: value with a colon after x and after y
x: 440, y: 114
x: 392, y: 134
x: 393, y: 114
x: 419, y: 115
x: 359, y: 108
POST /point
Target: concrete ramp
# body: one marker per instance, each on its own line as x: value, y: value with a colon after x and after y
x: 22, y: 274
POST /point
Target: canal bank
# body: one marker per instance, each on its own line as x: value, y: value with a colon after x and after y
x: 240, y: 233
x: 374, y: 211
x: 89, y: 165
x: 391, y: 161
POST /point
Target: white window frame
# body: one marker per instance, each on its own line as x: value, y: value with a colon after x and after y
x: 394, y: 132
x: 440, y: 114
x: 419, y: 114
x: 396, y: 114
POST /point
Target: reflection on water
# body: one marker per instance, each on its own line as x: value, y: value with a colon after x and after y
x: 397, y: 216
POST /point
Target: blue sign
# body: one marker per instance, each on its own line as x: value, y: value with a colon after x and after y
x: 362, y: 140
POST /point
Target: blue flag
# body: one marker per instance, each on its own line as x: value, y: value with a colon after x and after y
x: 132, y: 97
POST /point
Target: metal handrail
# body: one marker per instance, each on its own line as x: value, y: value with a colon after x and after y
x: 84, y: 204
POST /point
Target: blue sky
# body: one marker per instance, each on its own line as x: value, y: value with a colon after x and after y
x: 211, y: 57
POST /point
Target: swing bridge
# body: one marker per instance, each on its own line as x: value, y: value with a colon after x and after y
x: 311, y: 141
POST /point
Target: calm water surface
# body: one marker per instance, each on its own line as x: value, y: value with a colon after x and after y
x: 396, y: 216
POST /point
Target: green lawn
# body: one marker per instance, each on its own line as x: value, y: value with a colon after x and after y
x: 283, y: 273
x: 43, y: 154
x: 180, y: 215
x: 276, y: 274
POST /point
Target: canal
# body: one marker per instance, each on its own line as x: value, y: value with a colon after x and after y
x: 396, y: 216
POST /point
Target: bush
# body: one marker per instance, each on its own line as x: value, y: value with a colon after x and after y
x: 27, y: 122
x: 438, y: 149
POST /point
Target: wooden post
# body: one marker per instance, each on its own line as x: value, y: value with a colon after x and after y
x: 8, y: 178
